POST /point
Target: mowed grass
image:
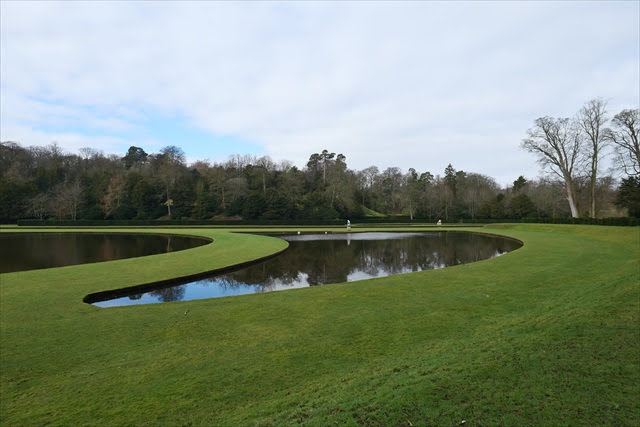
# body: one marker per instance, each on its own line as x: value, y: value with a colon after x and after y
x: 548, y: 334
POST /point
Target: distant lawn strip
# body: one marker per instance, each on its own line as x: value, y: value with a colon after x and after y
x: 547, y: 334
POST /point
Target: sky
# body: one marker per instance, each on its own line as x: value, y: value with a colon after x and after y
x: 405, y: 84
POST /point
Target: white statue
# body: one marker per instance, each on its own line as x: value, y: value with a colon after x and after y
x: 439, y: 222
x: 348, y: 225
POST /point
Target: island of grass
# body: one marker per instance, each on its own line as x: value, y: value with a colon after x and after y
x: 547, y: 334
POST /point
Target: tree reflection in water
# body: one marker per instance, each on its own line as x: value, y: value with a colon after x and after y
x: 29, y: 251
x: 336, y: 259
x: 313, y: 260
x: 174, y: 293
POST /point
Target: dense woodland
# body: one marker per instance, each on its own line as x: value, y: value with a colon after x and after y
x: 48, y: 183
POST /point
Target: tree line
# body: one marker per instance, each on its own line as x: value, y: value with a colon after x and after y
x: 48, y: 183
x: 571, y: 148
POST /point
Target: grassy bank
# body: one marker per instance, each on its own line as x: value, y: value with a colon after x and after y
x: 548, y: 334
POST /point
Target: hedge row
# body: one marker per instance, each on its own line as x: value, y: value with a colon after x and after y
x: 177, y: 222
x: 622, y: 221
x: 338, y: 222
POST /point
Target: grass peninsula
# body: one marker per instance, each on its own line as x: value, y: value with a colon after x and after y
x: 547, y: 334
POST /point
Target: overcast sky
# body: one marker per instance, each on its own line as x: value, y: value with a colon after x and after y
x: 416, y: 84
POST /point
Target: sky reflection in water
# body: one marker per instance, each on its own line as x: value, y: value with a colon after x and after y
x: 319, y: 259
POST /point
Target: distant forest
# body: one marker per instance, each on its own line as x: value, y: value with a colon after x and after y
x: 47, y: 183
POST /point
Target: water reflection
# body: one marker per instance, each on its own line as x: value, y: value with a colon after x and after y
x: 29, y: 251
x: 313, y: 260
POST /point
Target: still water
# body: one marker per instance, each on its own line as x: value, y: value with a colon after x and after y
x: 318, y: 259
x: 30, y: 251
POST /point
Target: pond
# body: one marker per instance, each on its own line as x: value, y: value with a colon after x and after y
x: 318, y: 259
x: 30, y: 251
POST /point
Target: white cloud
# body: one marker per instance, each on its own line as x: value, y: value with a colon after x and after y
x: 390, y: 84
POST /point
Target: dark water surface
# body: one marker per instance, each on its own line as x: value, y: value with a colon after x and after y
x: 318, y: 259
x: 30, y: 251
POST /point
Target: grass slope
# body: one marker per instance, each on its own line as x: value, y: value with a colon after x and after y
x: 548, y: 334
x: 372, y: 213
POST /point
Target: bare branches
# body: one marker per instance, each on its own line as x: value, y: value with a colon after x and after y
x: 591, y: 119
x: 556, y: 143
x: 571, y: 149
x: 624, y: 136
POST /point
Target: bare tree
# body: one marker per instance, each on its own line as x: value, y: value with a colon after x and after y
x: 547, y: 196
x: 366, y: 180
x: 266, y: 166
x: 171, y: 162
x: 65, y: 199
x: 475, y: 190
x: 236, y: 187
x: 624, y: 136
x: 39, y: 205
x: 591, y: 119
x: 72, y: 195
x: 113, y: 196
x: 238, y: 162
x: 391, y: 183
x: 284, y: 166
x: 557, y: 142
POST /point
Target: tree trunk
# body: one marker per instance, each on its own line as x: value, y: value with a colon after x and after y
x: 594, y: 168
x: 571, y: 199
x: 168, y: 205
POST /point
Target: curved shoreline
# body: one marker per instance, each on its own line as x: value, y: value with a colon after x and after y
x: 148, y: 287
x: 205, y: 241
x: 434, y: 347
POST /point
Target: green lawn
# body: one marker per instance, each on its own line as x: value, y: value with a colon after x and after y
x: 548, y: 334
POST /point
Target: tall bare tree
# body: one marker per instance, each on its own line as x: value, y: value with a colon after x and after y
x: 624, y: 135
x: 171, y: 162
x: 266, y: 166
x: 113, y: 196
x: 556, y: 142
x: 475, y: 190
x: 591, y: 119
